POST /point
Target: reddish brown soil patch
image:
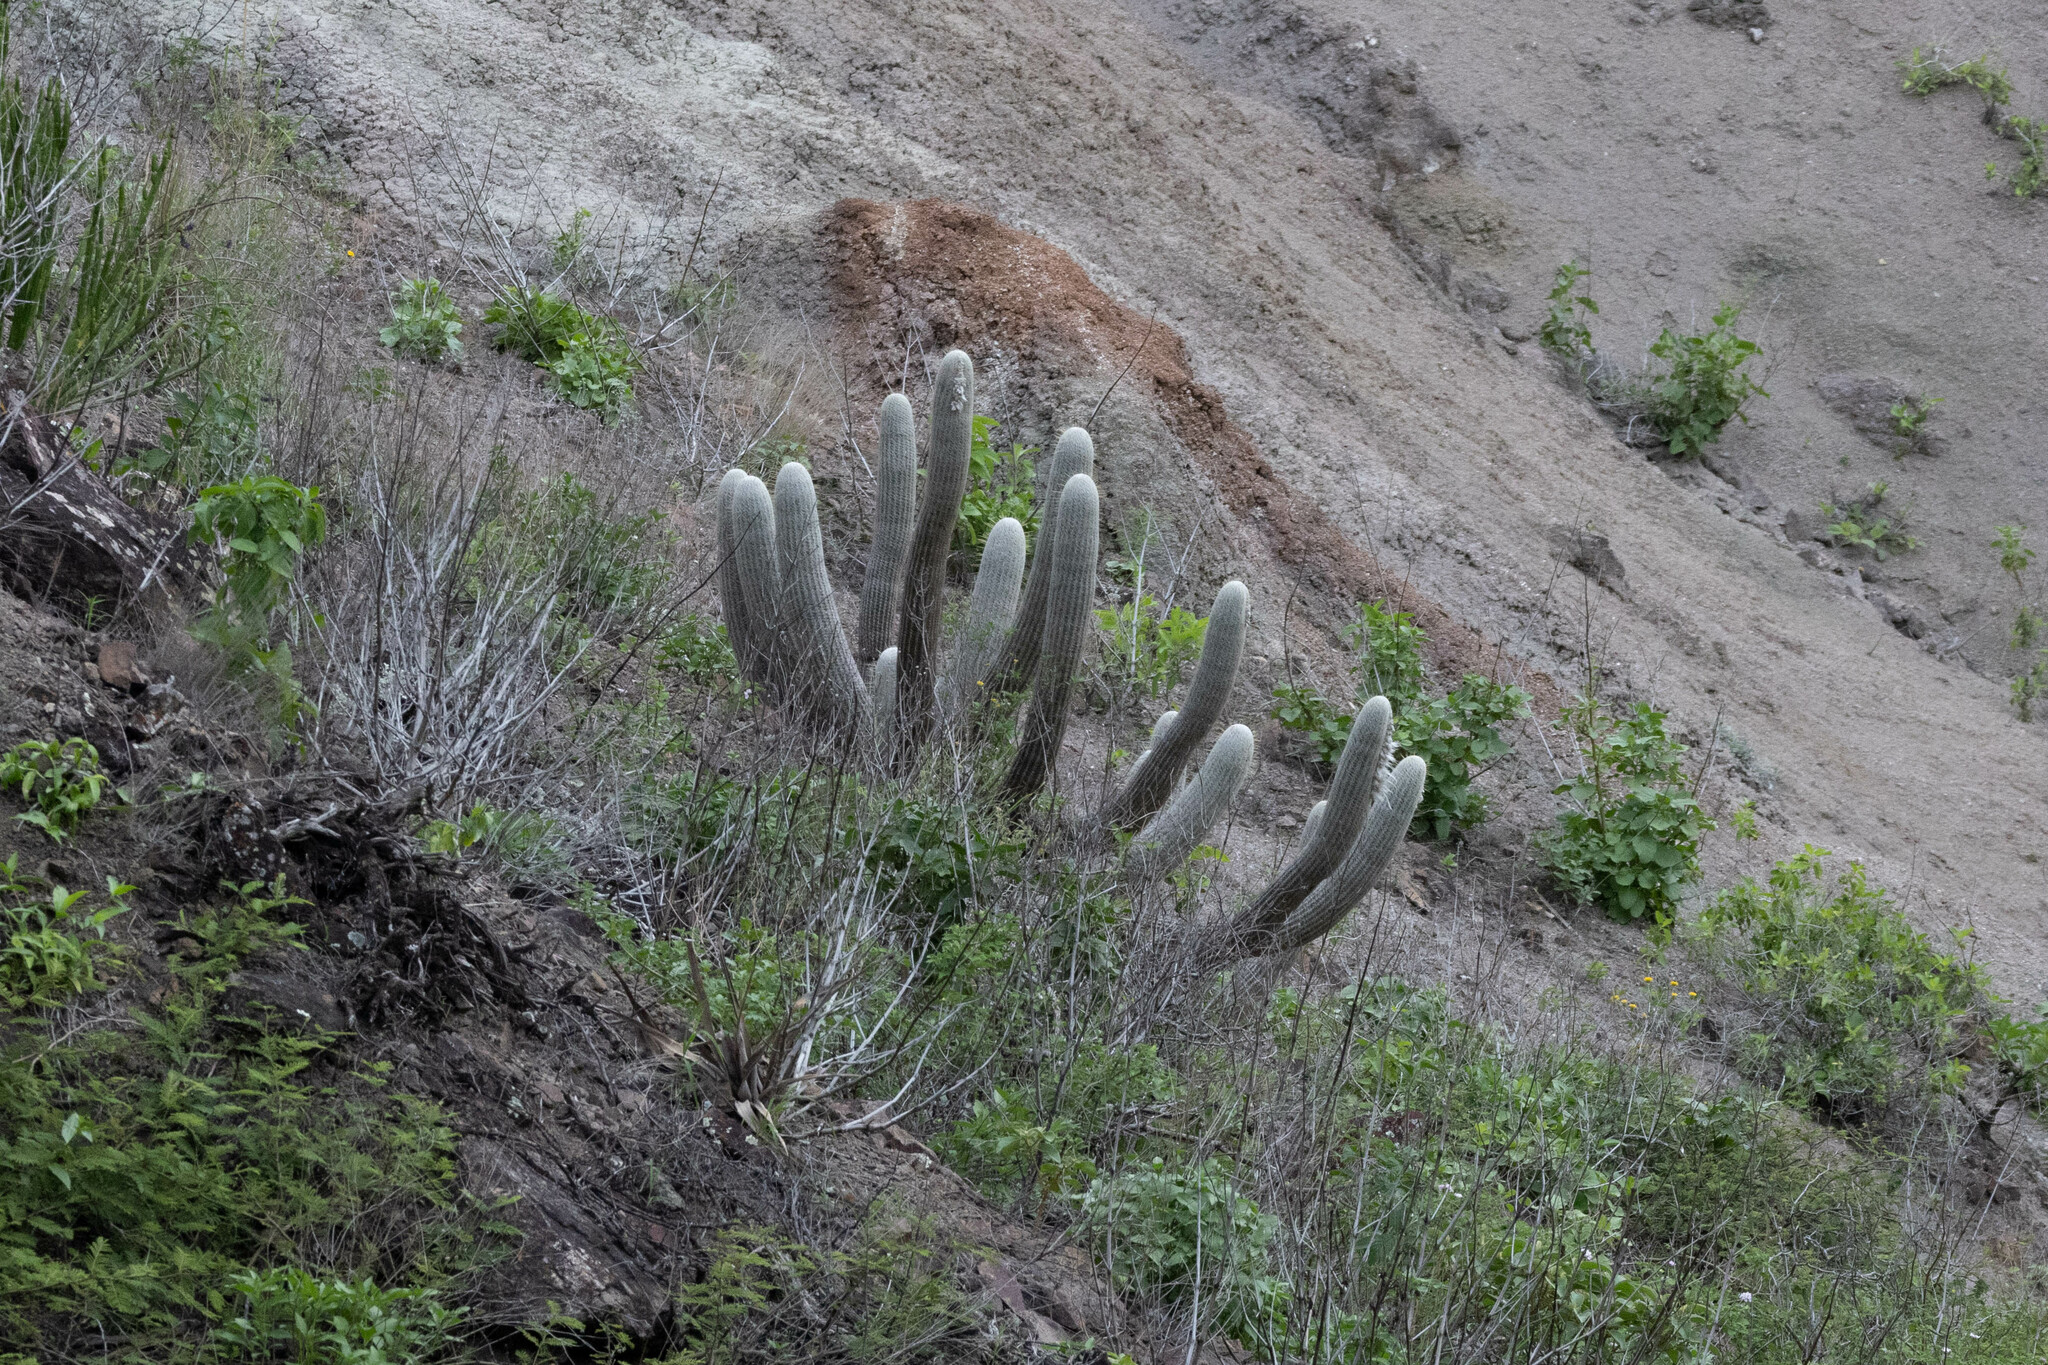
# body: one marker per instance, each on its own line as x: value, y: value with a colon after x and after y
x: 967, y: 280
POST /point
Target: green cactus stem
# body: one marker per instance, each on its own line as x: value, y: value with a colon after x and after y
x: 822, y: 672
x: 895, y: 516
x: 1154, y: 774
x: 918, y: 621
x: 1069, y: 612
x: 1194, y: 810
x: 990, y: 610
x: 1075, y: 454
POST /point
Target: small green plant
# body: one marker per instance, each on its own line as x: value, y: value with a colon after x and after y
x: 1173, y: 1234
x: 1860, y: 1009
x: 473, y: 827
x: 572, y: 242
x: 589, y: 357
x: 1704, y: 384
x: 2014, y: 556
x: 1148, y: 647
x: 260, y: 527
x: 1564, y: 332
x: 699, y: 649
x: 2030, y: 687
x: 1390, y: 647
x: 209, y: 438
x: 51, y: 947
x: 1301, y: 708
x: 287, y: 1314
x: 1860, y: 524
x: 595, y: 372
x: 1002, y: 1145
x: 1928, y: 70
x: 999, y: 484
x: 2025, y: 178
x: 425, y: 323
x: 60, y: 780
x: 1459, y: 735
x: 1629, y: 840
x: 1909, y: 415
x: 2021, y: 1046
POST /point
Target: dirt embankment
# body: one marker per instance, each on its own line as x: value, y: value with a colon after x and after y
x: 1225, y: 169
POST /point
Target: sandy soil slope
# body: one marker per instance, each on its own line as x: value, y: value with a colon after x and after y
x: 1179, y: 160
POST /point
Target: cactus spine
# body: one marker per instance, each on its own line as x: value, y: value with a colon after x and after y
x: 1070, y: 600
x: 753, y: 526
x: 895, y: 515
x: 917, y: 631
x: 881, y: 714
x: 1075, y: 454
x: 1370, y: 853
x: 1253, y: 929
x: 1194, y: 811
x: 821, y: 669
x: 1154, y: 774
x: 990, y: 610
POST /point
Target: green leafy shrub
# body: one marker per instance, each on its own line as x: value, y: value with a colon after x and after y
x: 2029, y: 687
x: 1564, y: 332
x: 51, y: 948
x: 1301, y: 708
x: 1162, y: 1232
x: 999, y: 484
x: 260, y: 526
x: 941, y: 859
x: 698, y: 649
x: 1629, y: 840
x: 1860, y: 1010
x: 1861, y: 524
x: 2021, y: 1046
x: 2025, y: 178
x: 1390, y: 647
x: 209, y: 438
x: 1458, y: 734
x: 425, y: 323
x: 1928, y: 70
x: 60, y: 780
x: 1002, y: 1145
x: 474, y: 826
x: 287, y: 1314
x: 595, y: 372
x: 590, y: 359
x: 1149, y: 647
x: 1704, y: 385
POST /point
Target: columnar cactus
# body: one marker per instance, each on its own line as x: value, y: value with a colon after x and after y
x: 895, y: 515
x: 881, y: 717
x: 1155, y: 772
x: 1370, y: 854
x: 821, y: 668
x: 760, y: 575
x: 1314, y: 824
x: 1195, y: 809
x: 918, y: 626
x: 990, y: 610
x: 1075, y: 454
x: 744, y: 633
x: 1070, y: 602
x: 1253, y: 929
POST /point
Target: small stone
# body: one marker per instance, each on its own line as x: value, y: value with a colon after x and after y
x: 119, y: 668
x: 1756, y: 35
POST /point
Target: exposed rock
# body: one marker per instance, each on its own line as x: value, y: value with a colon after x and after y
x: 1736, y: 14
x: 1589, y: 553
x: 1866, y: 401
x: 119, y: 668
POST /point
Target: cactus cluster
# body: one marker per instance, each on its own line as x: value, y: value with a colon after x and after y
x: 1030, y: 630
